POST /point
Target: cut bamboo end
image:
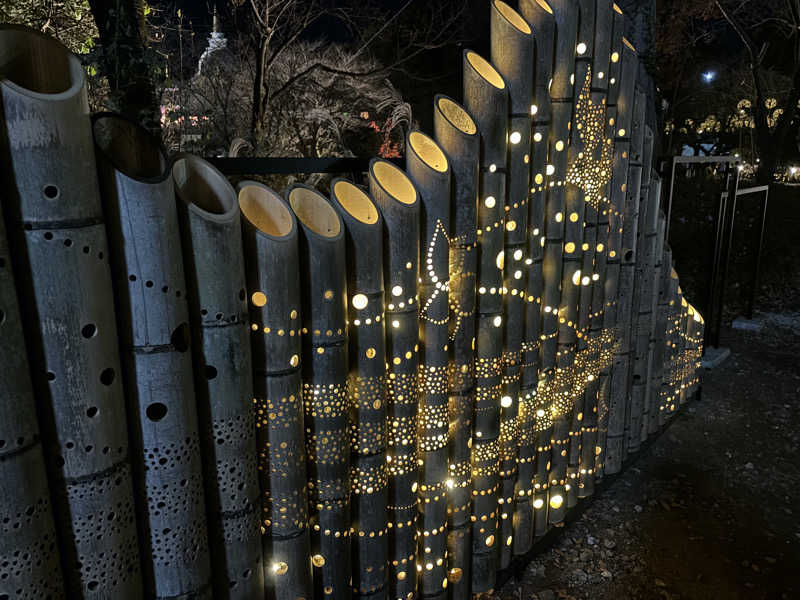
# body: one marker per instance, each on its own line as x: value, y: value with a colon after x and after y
x: 456, y: 115
x: 484, y: 69
x: 35, y: 64
x: 130, y: 148
x: 265, y: 210
x: 513, y: 17
x: 203, y: 188
x: 393, y: 181
x: 355, y: 202
x: 315, y: 212
x: 428, y: 151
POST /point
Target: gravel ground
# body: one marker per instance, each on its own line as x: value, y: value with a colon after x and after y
x: 710, y: 510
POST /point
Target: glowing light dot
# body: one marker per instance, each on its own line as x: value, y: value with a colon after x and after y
x: 621, y: 133
x: 370, y: 352
x: 595, y: 276
x: 395, y: 323
x: 279, y: 568
x: 559, y: 145
x: 328, y: 294
x: 559, y: 217
x: 450, y: 483
x: 517, y: 254
x: 511, y: 225
x: 540, y: 412
x: 498, y: 321
x: 581, y: 48
x: 259, y: 298
x: 515, y: 137
x: 576, y: 277
x: 360, y: 301
x: 295, y: 360
x: 318, y: 560
x: 539, y: 179
x: 490, y: 202
x: 573, y: 217
x: 490, y: 540
x: 615, y: 57
x: 556, y: 501
x: 509, y: 540
x: 538, y: 503
x: 517, y: 274
x: 600, y: 247
x: 537, y: 137
x: 500, y: 261
x: 534, y: 109
x: 505, y: 401
x: 600, y: 75
x: 586, y: 279
x: 492, y: 168
x: 414, y: 487
x: 397, y: 291
x: 550, y: 169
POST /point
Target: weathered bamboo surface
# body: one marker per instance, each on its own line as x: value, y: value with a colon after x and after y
x: 383, y: 392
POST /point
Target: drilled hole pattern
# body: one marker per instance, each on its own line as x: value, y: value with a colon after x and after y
x: 236, y: 485
x: 100, y: 515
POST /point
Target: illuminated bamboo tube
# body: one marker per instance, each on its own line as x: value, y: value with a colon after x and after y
x: 556, y: 362
x: 28, y: 528
x: 367, y: 385
x: 656, y: 381
x: 639, y: 338
x: 650, y: 425
x: 145, y: 255
x: 618, y: 403
x: 271, y: 259
x: 623, y: 71
x: 60, y: 259
x: 535, y: 417
x: 397, y: 198
x: 426, y: 165
x: 669, y: 284
x: 486, y: 97
x: 512, y: 54
x: 457, y: 135
x: 323, y: 279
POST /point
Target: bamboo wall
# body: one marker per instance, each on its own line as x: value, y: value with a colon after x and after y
x: 389, y: 392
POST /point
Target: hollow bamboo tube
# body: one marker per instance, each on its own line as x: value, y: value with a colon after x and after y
x: 618, y: 384
x: 398, y: 200
x: 56, y: 233
x: 650, y: 424
x: 457, y: 135
x: 623, y: 94
x: 427, y: 166
x: 28, y: 549
x: 367, y: 385
x: 639, y: 338
x: 656, y: 376
x: 145, y: 254
x: 512, y: 53
x: 272, y: 271
x: 556, y: 361
x: 323, y: 280
x: 535, y: 418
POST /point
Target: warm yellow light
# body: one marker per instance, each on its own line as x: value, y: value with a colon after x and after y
x: 515, y: 137
x: 397, y: 291
x: 259, y: 298
x: 498, y: 320
x: 576, y: 277
x: 538, y: 503
x: 537, y: 137
x: 556, y: 501
x: 490, y: 202
x: 395, y: 323
x: 517, y: 254
x: 279, y: 568
x: 581, y: 48
x: 559, y: 145
x: 534, y: 109
x: 550, y: 169
x: 500, y: 261
x: 615, y: 57
x: 360, y: 301
x: 505, y: 401
x: 318, y: 560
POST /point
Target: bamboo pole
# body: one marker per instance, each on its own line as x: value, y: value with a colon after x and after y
x: 512, y: 52
x: 555, y: 357
x: 60, y: 261
x: 650, y: 426
x: 145, y: 255
x: 618, y: 393
x: 639, y: 338
x: 29, y: 528
x: 272, y: 271
x: 323, y: 281
x: 486, y: 98
x: 660, y: 331
x: 623, y: 94
x: 536, y: 415
x: 398, y: 200
x: 367, y: 384
x: 427, y: 166
x: 457, y: 135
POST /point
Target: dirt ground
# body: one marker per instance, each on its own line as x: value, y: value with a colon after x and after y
x: 710, y: 510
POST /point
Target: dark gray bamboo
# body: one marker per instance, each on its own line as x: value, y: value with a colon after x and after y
x: 147, y: 268
x: 512, y: 53
x: 486, y: 97
x: 60, y: 259
x: 272, y: 270
x: 535, y: 422
x: 557, y: 360
x: 457, y: 135
x: 29, y: 560
x: 367, y: 384
x: 398, y: 200
x: 618, y: 393
x: 323, y: 279
x: 427, y: 166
